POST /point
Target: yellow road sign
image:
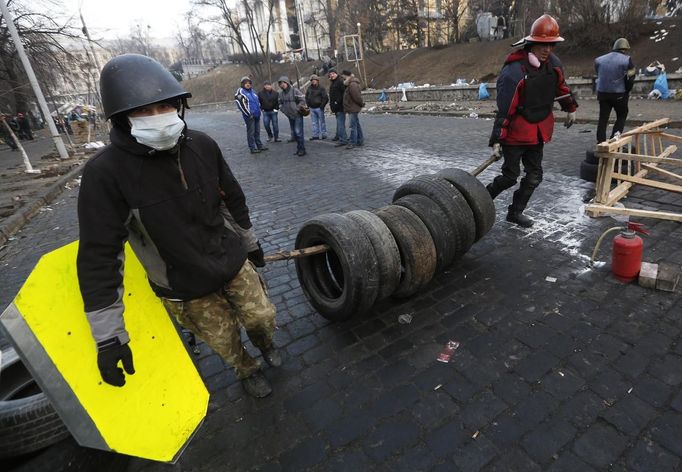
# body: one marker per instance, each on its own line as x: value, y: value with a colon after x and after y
x: 160, y: 407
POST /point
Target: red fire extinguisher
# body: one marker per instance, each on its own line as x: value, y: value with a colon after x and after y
x: 626, y: 260
x: 627, y: 253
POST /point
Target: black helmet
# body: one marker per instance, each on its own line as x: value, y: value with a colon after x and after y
x: 130, y: 81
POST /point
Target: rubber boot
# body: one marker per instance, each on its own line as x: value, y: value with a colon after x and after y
x: 257, y: 385
x: 519, y: 218
x: 519, y: 203
x: 272, y: 356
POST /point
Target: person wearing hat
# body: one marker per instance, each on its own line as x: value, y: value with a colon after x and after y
x: 615, y: 78
x: 352, y: 104
x: 292, y: 104
x: 530, y: 80
x: 269, y: 103
x: 249, y: 105
x: 316, y: 97
x: 336, y: 91
x: 167, y: 191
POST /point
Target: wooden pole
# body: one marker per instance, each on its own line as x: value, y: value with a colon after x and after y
x: 296, y: 253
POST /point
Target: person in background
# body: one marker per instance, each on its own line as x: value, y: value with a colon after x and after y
x: 249, y: 105
x: 316, y: 97
x: 531, y: 78
x: 352, y: 104
x: 336, y: 92
x: 167, y: 191
x: 292, y: 104
x: 269, y: 103
x: 24, y: 127
x: 615, y: 78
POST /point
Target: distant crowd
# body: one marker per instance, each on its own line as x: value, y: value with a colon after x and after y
x: 343, y: 97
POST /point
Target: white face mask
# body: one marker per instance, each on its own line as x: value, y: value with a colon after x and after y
x: 160, y: 132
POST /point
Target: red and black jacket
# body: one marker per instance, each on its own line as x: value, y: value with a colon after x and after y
x: 525, y: 96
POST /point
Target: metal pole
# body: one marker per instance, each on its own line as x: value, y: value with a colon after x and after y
x: 362, y: 56
x: 27, y: 163
x: 61, y: 149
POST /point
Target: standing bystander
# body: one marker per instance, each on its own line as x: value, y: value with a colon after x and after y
x: 269, y: 103
x: 292, y: 104
x: 249, y: 105
x: 352, y: 104
x: 336, y: 91
x: 316, y: 97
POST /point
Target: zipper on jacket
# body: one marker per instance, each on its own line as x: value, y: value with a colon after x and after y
x: 183, y: 181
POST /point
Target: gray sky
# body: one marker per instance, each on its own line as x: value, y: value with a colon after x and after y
x: 113, y: 18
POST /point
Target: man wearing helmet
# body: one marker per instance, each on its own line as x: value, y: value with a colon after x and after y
x: 531, y: 78
x: 168, y: 191
x: 615, y: 78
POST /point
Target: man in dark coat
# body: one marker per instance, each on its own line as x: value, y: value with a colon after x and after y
x: 532, y: 77
x: 336, y: 91
x: 269, y: 103
x: 168, y: 192
x: 353, y: 104
x: 316, y: 97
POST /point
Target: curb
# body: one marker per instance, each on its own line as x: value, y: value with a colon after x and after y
x: 17, y: 221
x: 630, y: 122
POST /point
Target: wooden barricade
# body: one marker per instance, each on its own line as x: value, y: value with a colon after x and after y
x: 633, y: 159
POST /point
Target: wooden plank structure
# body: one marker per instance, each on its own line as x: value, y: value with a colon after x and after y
x: 633, y: 159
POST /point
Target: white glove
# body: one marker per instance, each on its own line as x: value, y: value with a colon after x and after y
x: 497, y: 151
x: 570, y: 119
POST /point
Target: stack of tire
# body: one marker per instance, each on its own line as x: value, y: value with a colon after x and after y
x: 32, y: 436
x: 395, y: 250
x: 589, y: 167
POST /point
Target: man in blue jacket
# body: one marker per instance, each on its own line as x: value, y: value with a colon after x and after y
x: 615, y: 78
x: 249, y: 105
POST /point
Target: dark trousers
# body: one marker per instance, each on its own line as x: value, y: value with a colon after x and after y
x: 608, y: 102
x: 531, y: 157
x: 271, y: 123
x: 297, y: 132
x: 253, y: 132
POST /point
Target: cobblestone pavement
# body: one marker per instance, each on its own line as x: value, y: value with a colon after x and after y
x: 578, y: 374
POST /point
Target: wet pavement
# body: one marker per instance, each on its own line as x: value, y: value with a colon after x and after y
x: 559, y: 367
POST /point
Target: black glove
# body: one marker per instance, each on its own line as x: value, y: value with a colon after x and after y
x: 109, y: 353
x: 256, y: 257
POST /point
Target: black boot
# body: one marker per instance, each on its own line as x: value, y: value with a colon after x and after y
x: 272, y: 356
x: 257, y: 385
x: 519, y: 218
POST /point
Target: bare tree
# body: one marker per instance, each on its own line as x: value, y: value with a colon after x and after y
x: 41, y: 35
x: 453, y: 12
x: 241, y: 24
x: 191, y: 38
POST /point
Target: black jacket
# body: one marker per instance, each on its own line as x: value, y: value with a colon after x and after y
x: 316, y: 97
x: 167, y: 205
x: 269, y: 101
x: 336, y: 91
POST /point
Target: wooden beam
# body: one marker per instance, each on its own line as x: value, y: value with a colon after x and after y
x: 667, y: 173
x: 662, y: 158
x: 661, y: 215
x: 614, y: 143
x: 603, y: 183
x: 622, y: 190
x: 306, y: 251
x: 649, y: 183
x: 671, y: 137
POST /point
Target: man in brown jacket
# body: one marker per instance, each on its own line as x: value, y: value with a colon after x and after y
x: 352, y: 104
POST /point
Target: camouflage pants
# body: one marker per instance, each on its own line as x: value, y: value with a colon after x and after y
x: 217, y: 318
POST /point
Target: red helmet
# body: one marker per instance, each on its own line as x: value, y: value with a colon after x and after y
x: 544, y: 30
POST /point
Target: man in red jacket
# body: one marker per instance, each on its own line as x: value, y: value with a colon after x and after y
x: 531, y: 79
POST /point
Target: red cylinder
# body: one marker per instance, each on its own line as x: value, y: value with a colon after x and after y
x: 627, y: 256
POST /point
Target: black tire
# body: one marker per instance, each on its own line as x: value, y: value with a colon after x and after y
x: 450, y: 200
x: 436, y: 221
x: 417, y: 251
x: 343, y: 281
x: 476, y: 195
x: 385, y: 249
x: 28, y: 421
x: 588, y: 171
x: 68, y: 456
x: 590, y: 158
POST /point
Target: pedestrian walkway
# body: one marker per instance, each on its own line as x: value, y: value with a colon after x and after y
x: 559, y: 367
